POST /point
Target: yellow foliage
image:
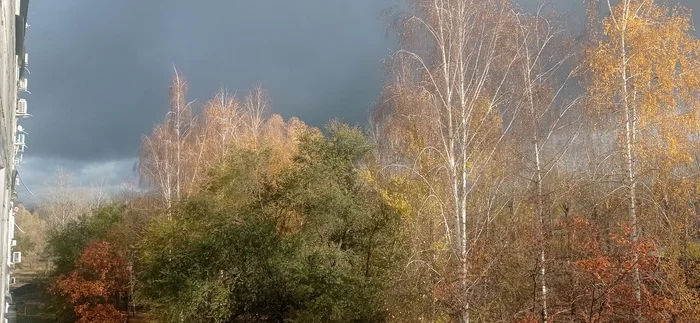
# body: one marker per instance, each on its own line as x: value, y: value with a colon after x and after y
x: 663, y: 71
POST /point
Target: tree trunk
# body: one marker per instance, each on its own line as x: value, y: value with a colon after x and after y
x: 541, y: 239
x: 631, y: 181
x: 539, y: 200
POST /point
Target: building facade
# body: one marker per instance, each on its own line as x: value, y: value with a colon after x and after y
x: 13, y: 83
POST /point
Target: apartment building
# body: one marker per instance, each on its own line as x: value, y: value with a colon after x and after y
x: 13, y: 108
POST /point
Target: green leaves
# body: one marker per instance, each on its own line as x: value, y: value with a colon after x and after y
x: 66, y: 245
x: 296, y: 245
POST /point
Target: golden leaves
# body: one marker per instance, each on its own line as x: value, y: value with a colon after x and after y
x: 662, y: 78
x: 180, y: 151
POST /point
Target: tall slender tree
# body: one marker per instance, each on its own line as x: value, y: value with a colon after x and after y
x: 545, y: 67
x: 456, y: 59
x: 165, y: 152
x: 644, y: 72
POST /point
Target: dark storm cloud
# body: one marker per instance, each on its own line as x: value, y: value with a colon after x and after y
x: 100, y: 69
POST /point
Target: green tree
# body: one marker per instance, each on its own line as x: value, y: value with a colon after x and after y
x: 312, y: 245
x: 66, y: 244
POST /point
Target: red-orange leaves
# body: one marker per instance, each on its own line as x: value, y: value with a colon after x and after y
x: 98, y: 284
x: 103, y: 313
x: 603, y: 289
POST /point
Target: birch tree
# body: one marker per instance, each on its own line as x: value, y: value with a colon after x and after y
x: 456, y: 60
x: 165, y: 152
x: 643, y: 72
x: 257, y: 105
x: 546, y: 66
x: 64, y: 200
x: 177, y: 155
x: 220, y: 126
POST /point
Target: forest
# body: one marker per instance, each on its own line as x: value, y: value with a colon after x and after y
x: 512, y: 170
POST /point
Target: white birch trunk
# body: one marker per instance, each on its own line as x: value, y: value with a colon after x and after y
x: 630, y: 180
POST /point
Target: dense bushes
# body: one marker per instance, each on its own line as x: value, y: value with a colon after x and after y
x: 311, y: 241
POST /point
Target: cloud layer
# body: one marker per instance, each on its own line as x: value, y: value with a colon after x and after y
x: 100, y: 69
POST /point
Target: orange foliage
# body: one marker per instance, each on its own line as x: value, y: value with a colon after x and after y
x: 103, y: 313
x: 179, y: 153
x: 97, y: 285
x: 603, y: 290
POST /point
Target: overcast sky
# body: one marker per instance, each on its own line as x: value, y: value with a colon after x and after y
x: 100, y: 69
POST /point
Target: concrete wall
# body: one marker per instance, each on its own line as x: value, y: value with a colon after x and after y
x: 9, y: 70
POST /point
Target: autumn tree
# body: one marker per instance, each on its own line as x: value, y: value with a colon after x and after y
x: 97, y: 287
x: 65, y: 244
x: 32, y: 235
x: 446, y: 111
x: 643, y: 74
x: 164, y: 154
x: 600, y: 293
x: 219, y: 126
x: 179, y: 153
x: 545, y: 68
x: 257, y: 105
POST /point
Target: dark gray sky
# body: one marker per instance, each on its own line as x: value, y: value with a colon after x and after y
x: 100, y: 68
